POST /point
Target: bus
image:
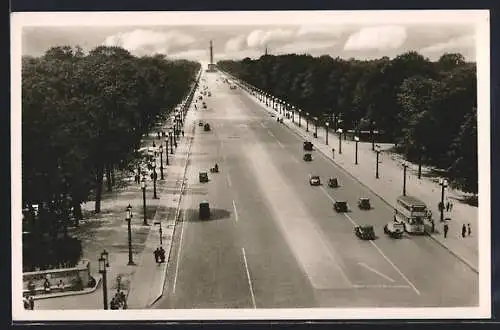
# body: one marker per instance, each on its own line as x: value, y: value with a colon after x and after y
x: 412, y: 212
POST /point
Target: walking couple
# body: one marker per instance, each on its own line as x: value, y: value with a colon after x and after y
x: 159, y: 255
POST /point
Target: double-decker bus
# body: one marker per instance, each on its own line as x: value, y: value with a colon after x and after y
x: 412, y: 212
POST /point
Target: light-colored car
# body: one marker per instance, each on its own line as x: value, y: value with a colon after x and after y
x: 314, y: 180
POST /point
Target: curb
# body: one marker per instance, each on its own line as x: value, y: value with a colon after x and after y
x: 299, y: 134
x: 69, y: 293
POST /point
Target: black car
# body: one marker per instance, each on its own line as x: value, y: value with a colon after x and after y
x: 333, y: 183
x: 204, y: 210
x: 307, y: 157
x: 364, y: 203
x: 308, y: 146
x: 365, y: 232
x: 206, y: 128
x: 200, y: 123
x: 341, y: 206
x: 203, y: 177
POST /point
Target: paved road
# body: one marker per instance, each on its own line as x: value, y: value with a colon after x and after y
x: 275, y: 241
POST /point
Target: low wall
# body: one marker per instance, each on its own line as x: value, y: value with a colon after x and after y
x: 76, y: 278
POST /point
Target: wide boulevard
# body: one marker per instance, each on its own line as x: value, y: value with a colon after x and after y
x: 274, y: 241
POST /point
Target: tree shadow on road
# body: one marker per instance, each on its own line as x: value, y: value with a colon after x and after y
x: 193, y: 215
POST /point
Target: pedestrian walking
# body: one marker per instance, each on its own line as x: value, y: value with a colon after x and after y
x: 464, y: 230
x: 162, y: 254
x: 469, y: 231
x: 445, y: 230
x: 447, y: 206
x: 451, y: 206
x: 31, y: 302
x: 183, y: 133
x: 432, y: 226
x: 156, y: 254
x: 26, y: 302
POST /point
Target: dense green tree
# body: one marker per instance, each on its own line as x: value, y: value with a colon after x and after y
x: 406, y: 97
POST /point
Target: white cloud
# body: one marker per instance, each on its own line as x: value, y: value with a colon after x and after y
x: 379, y: 38
x: 235, y: 44
x: 466, y: 41
x: 304, y: 46
x: 259, y: 38
x: 145, y: 42
x: 320, y: 31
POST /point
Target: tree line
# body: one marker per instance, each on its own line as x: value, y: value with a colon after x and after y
x: 83, y: 116
x: 427, y: 108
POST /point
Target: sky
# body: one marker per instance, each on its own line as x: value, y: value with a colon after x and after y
x: 351, y: 39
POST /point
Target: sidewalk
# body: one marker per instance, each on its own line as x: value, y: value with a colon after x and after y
x: 108, y: 230
x: 148, y: 282
x: 390, y: 184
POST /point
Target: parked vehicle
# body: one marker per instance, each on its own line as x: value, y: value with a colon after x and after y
x: 308, y: 146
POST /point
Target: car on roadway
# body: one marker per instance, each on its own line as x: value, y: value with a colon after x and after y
x: 341, y: 206
x: 333, y: 183
x: 308, y: 146
x: 394, y: 229
x: 203, y: 176
x: 233, y: 87
x: 314, y: 180
x: 307, y: 157
x: 206, y: 128
x: 200, y: 123
x: 364, y: 203
x: 365, y: 232
x: 204, y: 212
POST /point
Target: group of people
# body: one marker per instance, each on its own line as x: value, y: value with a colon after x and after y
x: 28, y: 302
x: 466, y: 230
x: 159, y: 255
x: 119, y: 301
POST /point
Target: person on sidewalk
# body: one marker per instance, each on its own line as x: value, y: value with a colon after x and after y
x: 162, y: 254
x: 451, y: 206
x: 469, y: 231
x: 447, y: 206
x: 31, y: 302
x: 26, y: 302
x: 464, y: 230
x: 157, y: 256
x: 445, y: 230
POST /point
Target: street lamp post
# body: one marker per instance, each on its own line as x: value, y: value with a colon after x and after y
x: 300, y: 111
x: 443, y: 183
x: 315, y: 126
x: 404, y: 178
x: 326, y: 131
x: 373, y: 135
x: 171, y: 136
x: 128, y: 217
x: 161, y: 161
x: 340, y: 140
x: 307, y: 121
x: 161, y: 231
x: 356, y: 139
x: 293, y: 114
x: 166, y: 151
x: 143, y: 186
x: 103, y: 264
x: 154, y: 179
x: 377, y: 150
